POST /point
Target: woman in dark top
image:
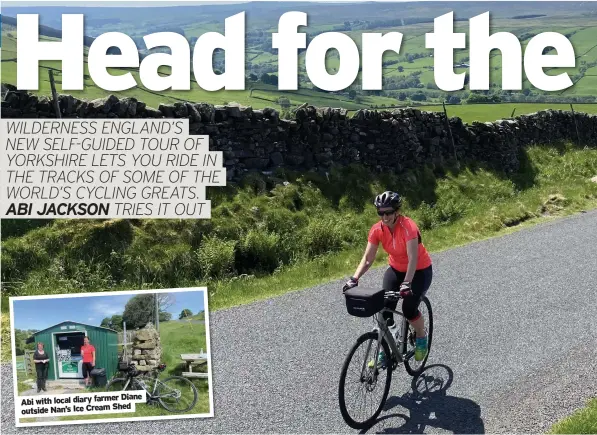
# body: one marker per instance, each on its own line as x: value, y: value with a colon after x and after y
x: 42, y: 361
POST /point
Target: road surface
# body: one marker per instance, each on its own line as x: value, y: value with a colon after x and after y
x: 513, y: 350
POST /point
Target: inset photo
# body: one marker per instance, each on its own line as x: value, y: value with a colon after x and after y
x: 111, y: 356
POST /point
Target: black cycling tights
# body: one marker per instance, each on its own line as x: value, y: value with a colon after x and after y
x: 410, y: 305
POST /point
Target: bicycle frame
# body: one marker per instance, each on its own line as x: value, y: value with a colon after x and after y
x: 384, y: 332
x: 143, y: 385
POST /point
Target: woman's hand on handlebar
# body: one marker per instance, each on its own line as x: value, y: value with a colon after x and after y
x: 352, y: 282
x: 405, y: 289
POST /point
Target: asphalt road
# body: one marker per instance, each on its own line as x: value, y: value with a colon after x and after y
x: 515, y: 341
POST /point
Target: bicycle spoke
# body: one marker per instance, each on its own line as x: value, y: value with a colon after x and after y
x: 177, y: 394
x: 364, y: 389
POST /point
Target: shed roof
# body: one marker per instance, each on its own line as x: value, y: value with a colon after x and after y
x: 78, y: 323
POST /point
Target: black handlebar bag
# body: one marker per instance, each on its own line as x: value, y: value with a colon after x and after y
x: 364, y: 302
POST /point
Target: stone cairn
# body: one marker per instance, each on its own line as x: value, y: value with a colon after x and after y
x: 146, y: 349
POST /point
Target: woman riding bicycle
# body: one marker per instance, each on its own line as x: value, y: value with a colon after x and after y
x: 410, y: 270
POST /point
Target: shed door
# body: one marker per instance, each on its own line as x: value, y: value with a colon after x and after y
x: 68, y: 355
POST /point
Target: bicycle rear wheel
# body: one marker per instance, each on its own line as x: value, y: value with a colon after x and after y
x: 177, y: 394
x: 363, y: 378
x: 414, y: 367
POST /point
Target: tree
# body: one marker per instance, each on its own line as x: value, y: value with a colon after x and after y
x: 105, y: 322
x: 352, y: 94
x: 400, y: 68
x: 165, y: 300
x: 114, y: 322
x: 21, y: 337
x: 140, y: 309
x: 419, y: 96
x: 185, y: 313
x: 284, y: 102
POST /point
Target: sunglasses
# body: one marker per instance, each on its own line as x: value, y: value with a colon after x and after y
x: 385, y: 213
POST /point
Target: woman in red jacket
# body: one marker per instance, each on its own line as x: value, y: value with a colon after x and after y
x: 410, y: 270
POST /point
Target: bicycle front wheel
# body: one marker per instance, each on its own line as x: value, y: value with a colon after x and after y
x: 177, y: 394
x: 414, y: 367
x: 360, y: 378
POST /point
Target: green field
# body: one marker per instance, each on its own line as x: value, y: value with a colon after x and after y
x: 492, y: 112
x: 412, y: 60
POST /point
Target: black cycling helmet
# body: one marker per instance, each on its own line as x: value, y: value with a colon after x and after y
x: 388, y: 199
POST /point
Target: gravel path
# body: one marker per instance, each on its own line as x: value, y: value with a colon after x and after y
x: 515, y: 341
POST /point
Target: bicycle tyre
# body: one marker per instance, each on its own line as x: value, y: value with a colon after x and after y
x: 343, y: 409
x: 407, y: 365
x: 193, y: 388
x: 115, y: 381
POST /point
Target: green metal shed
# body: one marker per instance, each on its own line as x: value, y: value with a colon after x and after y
x: 63, y: 342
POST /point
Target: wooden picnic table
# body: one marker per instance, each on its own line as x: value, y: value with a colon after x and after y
x: 194, y: 359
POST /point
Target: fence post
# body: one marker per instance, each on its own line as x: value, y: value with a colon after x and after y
x: 157, y: 313
x: 450, y: 133
x: 575, y: 125
x: 124, y: 350
x: 54, y: 94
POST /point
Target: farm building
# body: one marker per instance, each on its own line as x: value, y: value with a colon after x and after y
x: 63, y: 343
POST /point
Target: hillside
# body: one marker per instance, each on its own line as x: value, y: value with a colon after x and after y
x: 277, y: 225
x: 408, y: 75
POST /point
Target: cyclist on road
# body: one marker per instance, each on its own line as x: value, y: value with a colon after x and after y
x: 410, y: 267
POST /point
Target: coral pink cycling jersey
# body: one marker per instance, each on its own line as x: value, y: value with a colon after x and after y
x: 395, y: 244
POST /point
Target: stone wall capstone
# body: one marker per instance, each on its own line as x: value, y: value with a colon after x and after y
x: 318, y: 138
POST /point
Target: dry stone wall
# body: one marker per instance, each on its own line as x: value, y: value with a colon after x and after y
x: 317, y: 138
x: 146, y: 352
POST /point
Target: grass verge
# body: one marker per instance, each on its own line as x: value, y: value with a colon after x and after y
x: 583, y: 421
x: 469, y: 206
x: 263, y: 241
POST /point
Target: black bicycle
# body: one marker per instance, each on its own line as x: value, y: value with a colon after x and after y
x: 368, y: 374
x: 175, y: 393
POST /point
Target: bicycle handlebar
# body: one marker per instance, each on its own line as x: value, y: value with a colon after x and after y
x: 396, y: 295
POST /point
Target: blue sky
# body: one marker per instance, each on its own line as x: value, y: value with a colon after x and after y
x: 42, y: 313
